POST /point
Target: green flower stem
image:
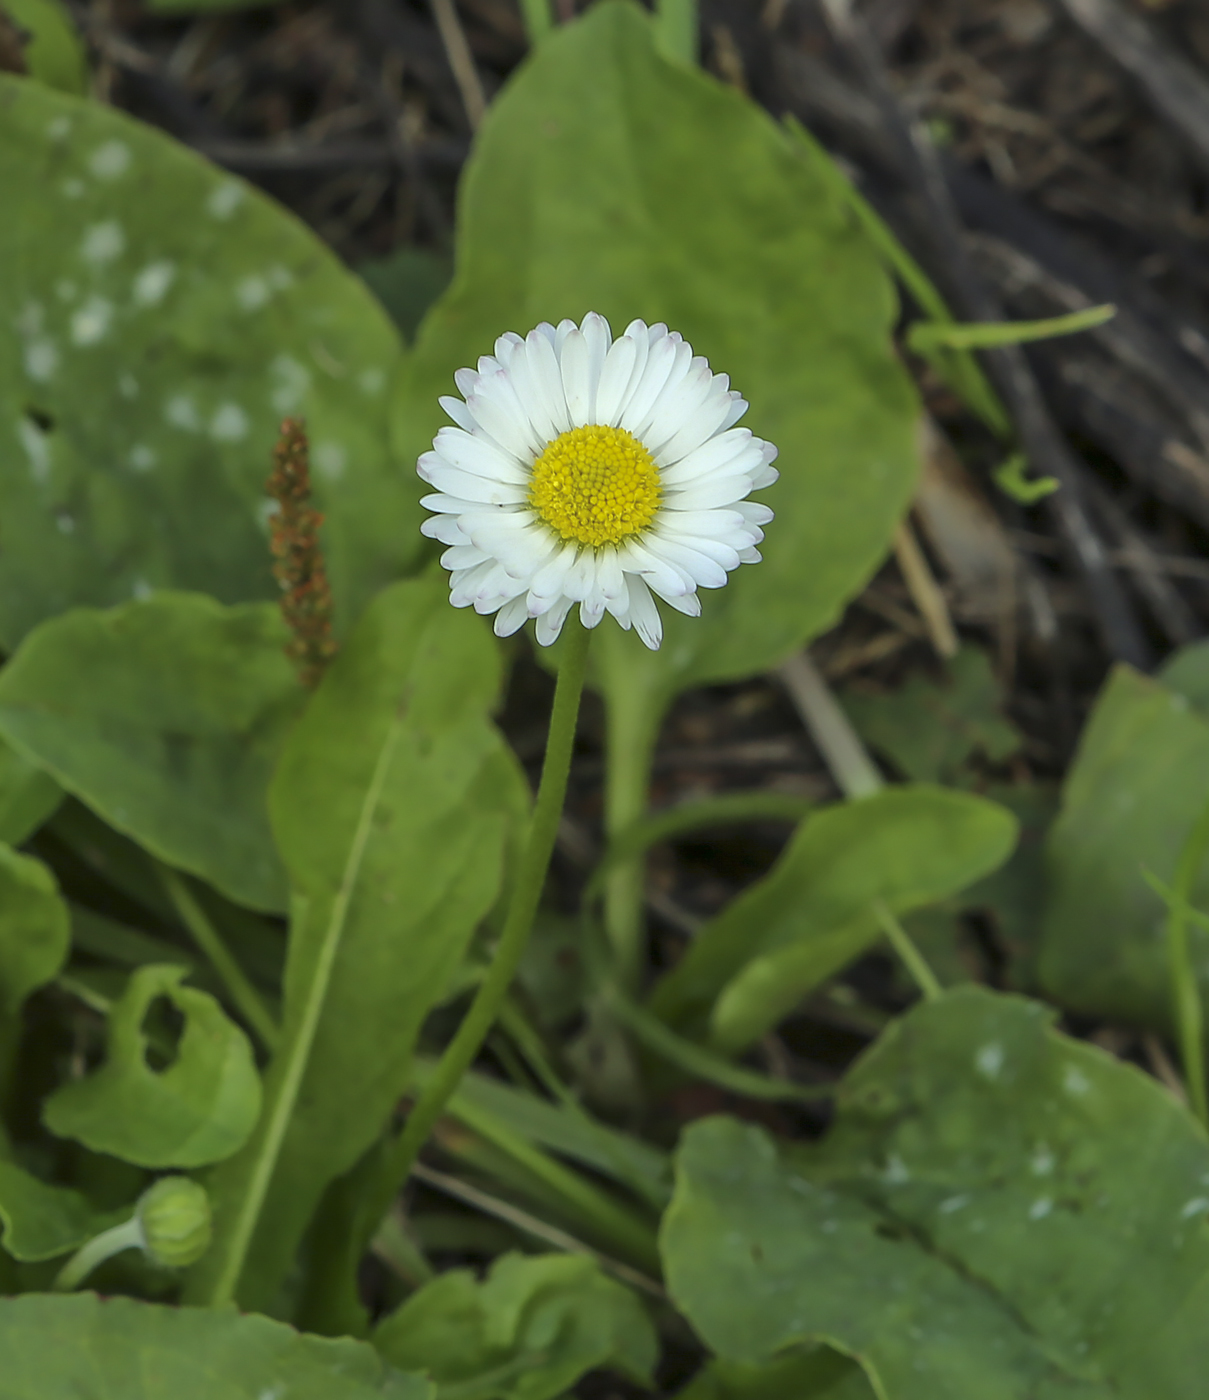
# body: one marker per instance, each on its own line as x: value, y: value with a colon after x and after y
x: 913, y: 960
x: 206, y: 936
x: 128, y: 1235
x: 460, y: 1052
x: 1185, y: 989
x: 633, y: 715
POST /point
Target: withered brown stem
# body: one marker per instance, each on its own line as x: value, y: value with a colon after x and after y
x: 306, y: 598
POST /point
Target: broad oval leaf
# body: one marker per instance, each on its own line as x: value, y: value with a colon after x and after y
x: 606, y: 178
x: 165, y: 716
x: 60, y: 1348
x: 1138, y: 783
x: 391, y: 806
x: 167, y: 315
x: 529, y: 1331
x: 198, y: 1110
x: 999, y: 1212
x: 905, y: 846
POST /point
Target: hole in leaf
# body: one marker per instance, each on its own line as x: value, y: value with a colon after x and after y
x: 163, y: 1026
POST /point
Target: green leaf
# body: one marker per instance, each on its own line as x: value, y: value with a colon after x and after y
x: 60, y: 1348
x: 35, y: 929
x: 999, y: 1212
x: 390, y: 806
x: 930, y: 731
x: 165, y: 716
x: 407, y: 283
x: 803, y: 1373
x: 41, y: 1221
x: 199, y: 1109
x: 54, y: 54
x: 812, y: 913
x: 528, y: 1332
x: 167, y: 316
x: 606, y: 178
x: 1137, y: 785
x: 28, y: 796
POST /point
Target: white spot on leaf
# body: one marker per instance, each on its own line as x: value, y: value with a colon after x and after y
x: 252, y: 293
x: 370, y: 381
x: 142, y: 458
x: 947, y: 1207
x: 140, y: 589
x: 90, y: 323
x: 59, y: 128
x: 896, y: 1170
x: 66, y: 523
x: 181, y: 412
x: 72, y: 188
x: 989, y: 1060
x: 1197, y: 1206
x: 290, y: 380
x: 1041, y: 1163
x: 110, y: 160
x: 37, y: 449
x: 151, y: 285
x: 128, y: 386
x: 330, y: 460
x: 41, y: 360
x: 103, y: 242
x: 1074, y: 1081
x: 1040, y: 1208
x: 224, y: 199
x: 229, y: 424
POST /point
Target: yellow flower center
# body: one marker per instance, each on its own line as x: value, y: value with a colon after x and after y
x: 595, y: 485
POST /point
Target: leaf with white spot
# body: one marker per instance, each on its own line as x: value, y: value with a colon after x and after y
x: 1035, y: 1234
x: 158, y: 318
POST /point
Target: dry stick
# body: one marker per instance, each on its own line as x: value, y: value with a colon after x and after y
x: 853, y: 770
x: 917, y: 161
x: 925, y: 591
x: 461, y: 61
x: 1175, y: 88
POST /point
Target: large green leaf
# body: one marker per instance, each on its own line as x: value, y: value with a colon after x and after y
x: 167, y: 315
x: 813, y: 912
x: 389, y: 806
x: 606, y: 178
x: 66, y: 1348
x: 1000, y: 1212
x: 1139, y: 781
x: 35, y: 929
x: 198, y: 1109
x: 165, y: 716
x: 40, y: 1221
x: 527, y: 1332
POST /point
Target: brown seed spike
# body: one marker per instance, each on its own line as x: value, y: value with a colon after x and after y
x: 306, y: 599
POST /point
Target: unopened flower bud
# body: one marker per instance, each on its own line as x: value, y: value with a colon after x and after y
x: 174, y: 1217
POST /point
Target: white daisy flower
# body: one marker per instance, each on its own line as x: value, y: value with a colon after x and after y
x: 595, y: 471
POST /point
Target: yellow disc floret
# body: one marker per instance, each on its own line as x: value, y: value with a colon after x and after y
x: 595, y: 485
